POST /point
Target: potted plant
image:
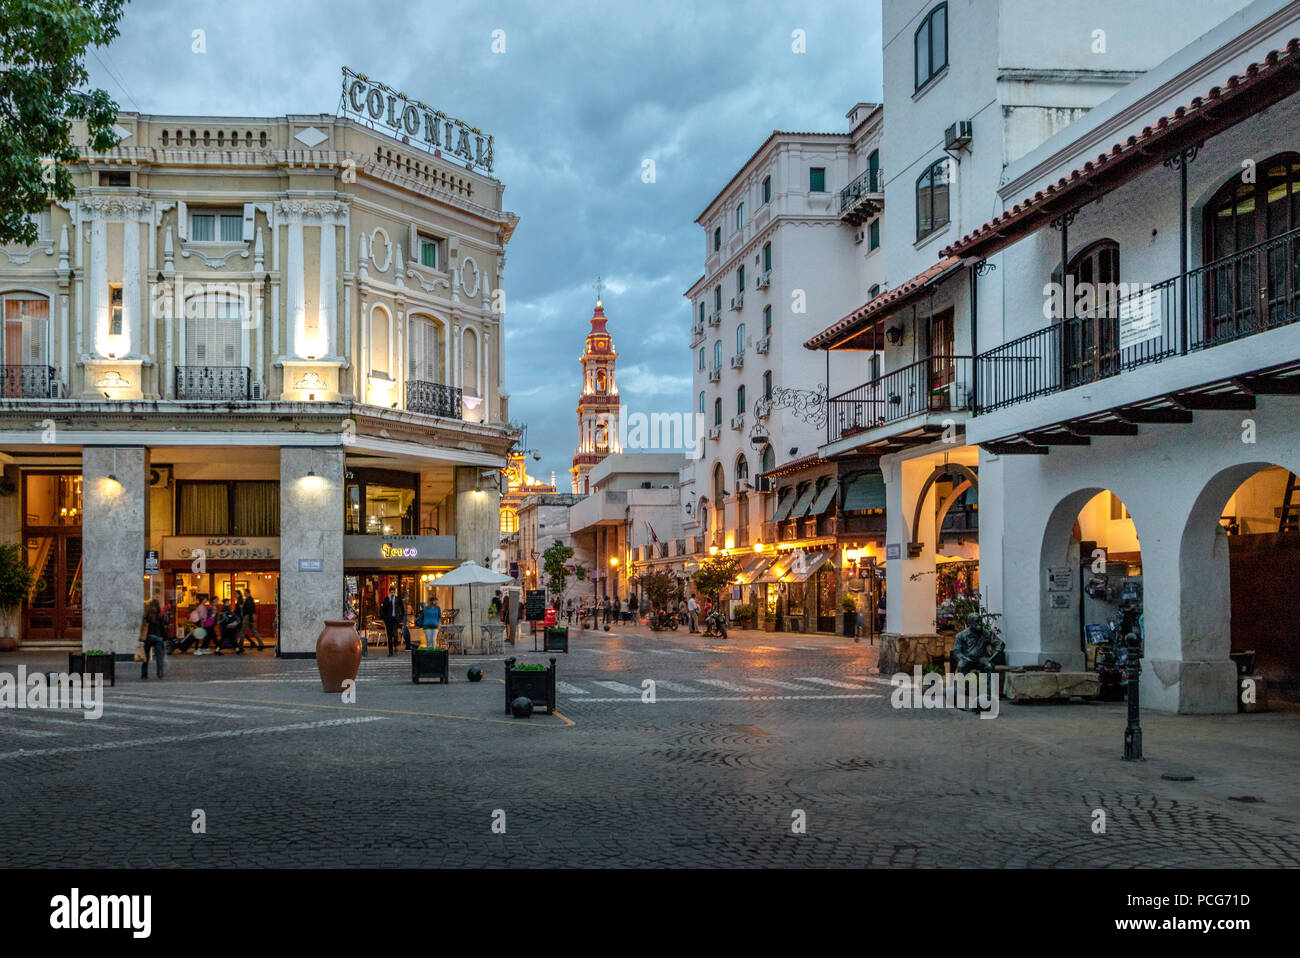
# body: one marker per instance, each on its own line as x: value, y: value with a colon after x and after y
x: 850, y: 610
x: 16, y: 581
x: 555, y: 638
x: 536, y: 682
x: 744, y: 615
x: 430, y: 663
x: 93, y: 662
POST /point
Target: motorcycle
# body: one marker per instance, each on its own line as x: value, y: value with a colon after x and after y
x: 715, y: 625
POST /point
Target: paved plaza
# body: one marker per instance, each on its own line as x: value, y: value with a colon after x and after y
x: 745, y: 740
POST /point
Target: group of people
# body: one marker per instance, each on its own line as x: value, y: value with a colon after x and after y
x: 392, y: 612
x: 610, y: 610
x: 214, y: 628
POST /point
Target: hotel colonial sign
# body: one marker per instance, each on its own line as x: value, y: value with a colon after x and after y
x: 411, y: 121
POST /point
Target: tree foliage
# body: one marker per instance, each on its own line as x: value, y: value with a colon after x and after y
x: 16, y: 576
x: 715, y: 574
x: 554, y: 561
x: 660, y: 589
x: 42, y: 75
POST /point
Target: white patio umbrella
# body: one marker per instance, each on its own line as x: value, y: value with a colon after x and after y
x: 470, y: 573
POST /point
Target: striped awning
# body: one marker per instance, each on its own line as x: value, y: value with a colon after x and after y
x: 804, y: 502
x: 825, y: 498
x: 752, y: 567
x: 810, y: 566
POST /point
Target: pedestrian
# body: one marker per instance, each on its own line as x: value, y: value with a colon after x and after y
x: 392, y: 613
x: 494, y: 607
x: 153, y: 629
x: 228, y: 628
x: 633, y: 605
x: 693, y: 612
x: 248, y: 622
x: 627, y: 610
x: 880, y: 614
x: 568, y: 610
x: 604, y: 610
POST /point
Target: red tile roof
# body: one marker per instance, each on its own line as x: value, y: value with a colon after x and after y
x: 1269, y: 80
x: 879, y: 306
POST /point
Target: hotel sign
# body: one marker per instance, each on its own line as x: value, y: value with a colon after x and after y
x: 410, y: 120
x: 220, y: 547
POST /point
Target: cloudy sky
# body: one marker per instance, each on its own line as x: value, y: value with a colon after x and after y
x: 584, y: 92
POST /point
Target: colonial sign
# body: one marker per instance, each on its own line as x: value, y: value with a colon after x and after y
x: 220, y: 547
x: 410, y: 120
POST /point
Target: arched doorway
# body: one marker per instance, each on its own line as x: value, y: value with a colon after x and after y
x: 1091, y: 587
x: 1241, y: 550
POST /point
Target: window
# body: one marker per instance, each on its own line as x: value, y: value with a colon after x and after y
x: 767, y: 257
x: 932, y: 199
x: 115, y: 310
x: 379, y: 328
x: 767, y: 385
x: 817, y: 179
x: 213, y: 330
x: 874, y: 291
x: 740, y: 338
x: 767, y: 320
x: 430, y: 252
x: 740, y: 400
x: 114, y: 179
x: 873, y: 164
x: 717, y: 299
x: 228, y: 508
x: 740, y: 216
x: 213, y: 226
x: 931, y: 45
x: 717, y: 353
x: 719, y: 486
x: 767, y: 189
x: 740, y: 281
x: 768, y: 460
x: 742, y: 470
x: 873, y: 234
x: 701, y: 312
x: 702, y: 401
x: 717, y: 238
x: 42, y: 222
x: 702, y: 357
x: 424, y: 350
x: 381, y: 502
x: 509, y: 521
x: 717, y: 412
x: 27, y: 321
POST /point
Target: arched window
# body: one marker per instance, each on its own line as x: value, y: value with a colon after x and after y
x: 719, y: 483
x: 27, y: 331
x: 424, y: 352
x: 702, y: 400
x: 600, y: 380
x: 1246, y: 291
x: 380, y: 327
x: 509, y: 521
x: 214, y: 329
x: 469, y: 363
x: 740, y: 400
x: 1090, y: 334
x: 702, y: 359
x: 740, y: 339
x: 717, y: 354
x: 768, y: 460
x: 703, y: 515
x: 742, y: 469
x: 930, y: 44
x: 874, y: 291
x: 717, y: 412
x: 932, y: 199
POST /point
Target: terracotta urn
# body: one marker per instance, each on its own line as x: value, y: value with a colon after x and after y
x: 338, y: 654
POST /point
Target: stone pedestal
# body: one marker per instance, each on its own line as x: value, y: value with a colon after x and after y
x: 899, y: 653
x: 113, y: 536
x: 1047, y: 686
x: 311, y: 545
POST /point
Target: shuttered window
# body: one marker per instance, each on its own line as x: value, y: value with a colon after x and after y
x: 424, y: 350
x: 213, y: 330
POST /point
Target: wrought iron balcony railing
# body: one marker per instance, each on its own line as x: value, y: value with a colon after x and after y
x: 28, y: 382
x: 433, y: 399
x: 868, y: 183
x: 934, y: 384
x: 213, y: 382
x: 1231, y: 298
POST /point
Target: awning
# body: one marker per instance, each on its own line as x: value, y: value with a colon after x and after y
x: 783, y: 507
x: 867, y: 491
x: 752, y: 567
x: 810, y: 566
x: 825, y: 498
x: 801, y: 507
x: 774, y: 572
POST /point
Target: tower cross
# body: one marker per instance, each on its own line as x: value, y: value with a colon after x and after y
x: 599, y: 288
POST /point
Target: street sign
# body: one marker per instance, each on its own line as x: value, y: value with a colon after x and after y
x: 892, y: 551
x: 311, y: 565
x: 151, y: 562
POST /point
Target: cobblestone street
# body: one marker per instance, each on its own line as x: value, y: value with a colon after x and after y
x: 741, y: 736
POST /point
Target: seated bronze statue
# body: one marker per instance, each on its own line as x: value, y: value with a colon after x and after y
x: 976, y: 648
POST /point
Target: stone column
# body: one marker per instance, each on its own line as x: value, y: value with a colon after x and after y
x: 131, y: 326
x: 328, y: 299
x: 311, y: 532
x: 910, y: 636
x: 113, y: 535
x: 97, y: 295
x: 296, y: 291
x: 478, y: 516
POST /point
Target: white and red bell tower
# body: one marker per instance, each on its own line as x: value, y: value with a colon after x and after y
x: 598, y: 402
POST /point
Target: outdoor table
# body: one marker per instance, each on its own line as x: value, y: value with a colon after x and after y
x: 452, y: 637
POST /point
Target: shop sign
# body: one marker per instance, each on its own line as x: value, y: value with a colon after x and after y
x: 151, y: 562
x: 221, y: 547
x: 380, y: 550
x: 411, y: 121
x: 389, y: 551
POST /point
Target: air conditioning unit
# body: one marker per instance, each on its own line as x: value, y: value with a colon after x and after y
x: 56, y: 389
x: 737, y: 360
x: 160, y: 477
x: 744, y: 487
x: 764, y: 484
x: 738, y: 422
x: 738, y: 301
x: 859, y: 236
x: 762, y: 409
x: 715, y: 374
x: 957, y: 136
x: 764, y: 280
x: 257, y: 390
x: 715, y: 318
x: 762, y: 344
x: 715, y: 432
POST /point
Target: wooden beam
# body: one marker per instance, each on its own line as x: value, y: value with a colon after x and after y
x: 1014, y: 449
x: 1214, y: 401
x: 1059, y: 439
x: 1162, y: 415
x: 1269, y: 385
x: 1107, y: 428
x: 911, y: 440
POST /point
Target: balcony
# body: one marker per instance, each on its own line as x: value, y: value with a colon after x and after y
x: 213, y: 383
x: 433, y: 399
x: 863, y: 198
x: 29, y: 382
x: 1224, y: 301
x: 935, y: 384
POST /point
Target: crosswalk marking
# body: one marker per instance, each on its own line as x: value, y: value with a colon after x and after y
x: 729, y: 686
x: 32, y: 732
x: 741, y: 698
x: 45, y: 718
x: 837, y: 684
x: 673, y: 686
x: 782, y: 685
x: 238, y: 707
x: 568, y: 688
x: 618, y: 687
x: 168, y: 711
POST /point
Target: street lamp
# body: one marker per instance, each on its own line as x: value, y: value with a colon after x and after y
x: 713, y: 550
x: 1133, y: 733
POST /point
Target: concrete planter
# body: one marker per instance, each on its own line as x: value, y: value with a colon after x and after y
x: 430, y: 664
x: 533, y: 684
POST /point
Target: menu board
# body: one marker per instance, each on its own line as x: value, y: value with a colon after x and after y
x: 535, y: 605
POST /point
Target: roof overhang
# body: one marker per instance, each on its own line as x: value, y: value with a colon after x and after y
x: 863, y: 328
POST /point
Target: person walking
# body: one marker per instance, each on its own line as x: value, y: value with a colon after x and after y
x: 393, y: 614
x: 632, y: 605
x: 248, y: 623
x: 693, y: 612
x: 154, y: 628
x: 228, y: 628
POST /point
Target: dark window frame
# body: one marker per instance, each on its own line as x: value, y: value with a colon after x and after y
x: 933, y: 176
x: 932, y: 71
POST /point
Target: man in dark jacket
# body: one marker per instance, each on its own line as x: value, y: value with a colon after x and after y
x: 393, y: 614
x: 248, y: 625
